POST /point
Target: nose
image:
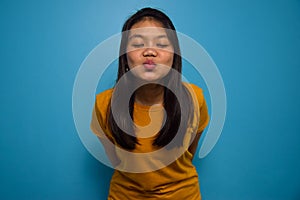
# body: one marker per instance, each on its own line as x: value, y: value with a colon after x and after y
x: 150, y: 52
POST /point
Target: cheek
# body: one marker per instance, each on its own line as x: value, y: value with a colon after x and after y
x: 132, y: 58
x: 169, y: 59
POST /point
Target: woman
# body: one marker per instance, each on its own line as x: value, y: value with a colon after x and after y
x: 150, y: 122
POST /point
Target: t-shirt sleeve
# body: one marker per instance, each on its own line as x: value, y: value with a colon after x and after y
x: 204, y: 117
x: 99, y: 121
x: 202, y: 106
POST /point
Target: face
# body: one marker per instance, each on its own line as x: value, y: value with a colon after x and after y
x: 149, y: 51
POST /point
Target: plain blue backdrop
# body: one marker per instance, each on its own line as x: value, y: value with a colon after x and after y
x: 255, y: 45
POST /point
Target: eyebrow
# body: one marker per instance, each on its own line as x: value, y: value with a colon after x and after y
x: 141, y: 36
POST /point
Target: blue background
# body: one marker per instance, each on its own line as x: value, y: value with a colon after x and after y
x: 255, y: 45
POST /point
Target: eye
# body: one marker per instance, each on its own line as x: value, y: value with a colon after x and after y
x: 137, y: 45
x: 162, y: 45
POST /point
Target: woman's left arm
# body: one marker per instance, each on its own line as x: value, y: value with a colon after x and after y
x: 193, y: 147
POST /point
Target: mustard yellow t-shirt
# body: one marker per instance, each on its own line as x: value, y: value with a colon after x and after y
x: 176, y: 179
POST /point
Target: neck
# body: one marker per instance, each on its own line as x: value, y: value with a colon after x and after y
x: 150, y: 94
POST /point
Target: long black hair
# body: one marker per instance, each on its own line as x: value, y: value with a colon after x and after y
x: 174, y: 111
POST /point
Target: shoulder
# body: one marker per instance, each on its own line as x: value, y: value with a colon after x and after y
x: 196, y: 92
x: 99, y: 120
x: 100, y: 113
x: 102, y: 105
x: 103, y: 99
x: 106, y: 94
x: 202, y: 110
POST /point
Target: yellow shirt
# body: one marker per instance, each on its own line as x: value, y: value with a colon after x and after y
x: 176, y: 179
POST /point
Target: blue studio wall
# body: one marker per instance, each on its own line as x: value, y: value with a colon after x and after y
x: 255, y: 45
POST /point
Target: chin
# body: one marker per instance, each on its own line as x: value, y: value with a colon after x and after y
x: 155, y: 77
x: 149, y: 78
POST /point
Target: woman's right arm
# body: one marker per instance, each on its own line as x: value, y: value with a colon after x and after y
x: 110, y: 151
x: 106, y: 142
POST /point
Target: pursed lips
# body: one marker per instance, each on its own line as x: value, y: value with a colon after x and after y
x: 149, y: 64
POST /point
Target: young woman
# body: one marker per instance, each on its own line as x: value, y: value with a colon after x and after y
x: 150, y: 122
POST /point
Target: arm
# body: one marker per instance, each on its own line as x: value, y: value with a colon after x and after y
x: 202, y: 115
x: 110, y: 151
x: 193, y: 147
x: 107, y: 144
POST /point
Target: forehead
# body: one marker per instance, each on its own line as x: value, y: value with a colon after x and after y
x: 147, y: 28
x: 147, y: 22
